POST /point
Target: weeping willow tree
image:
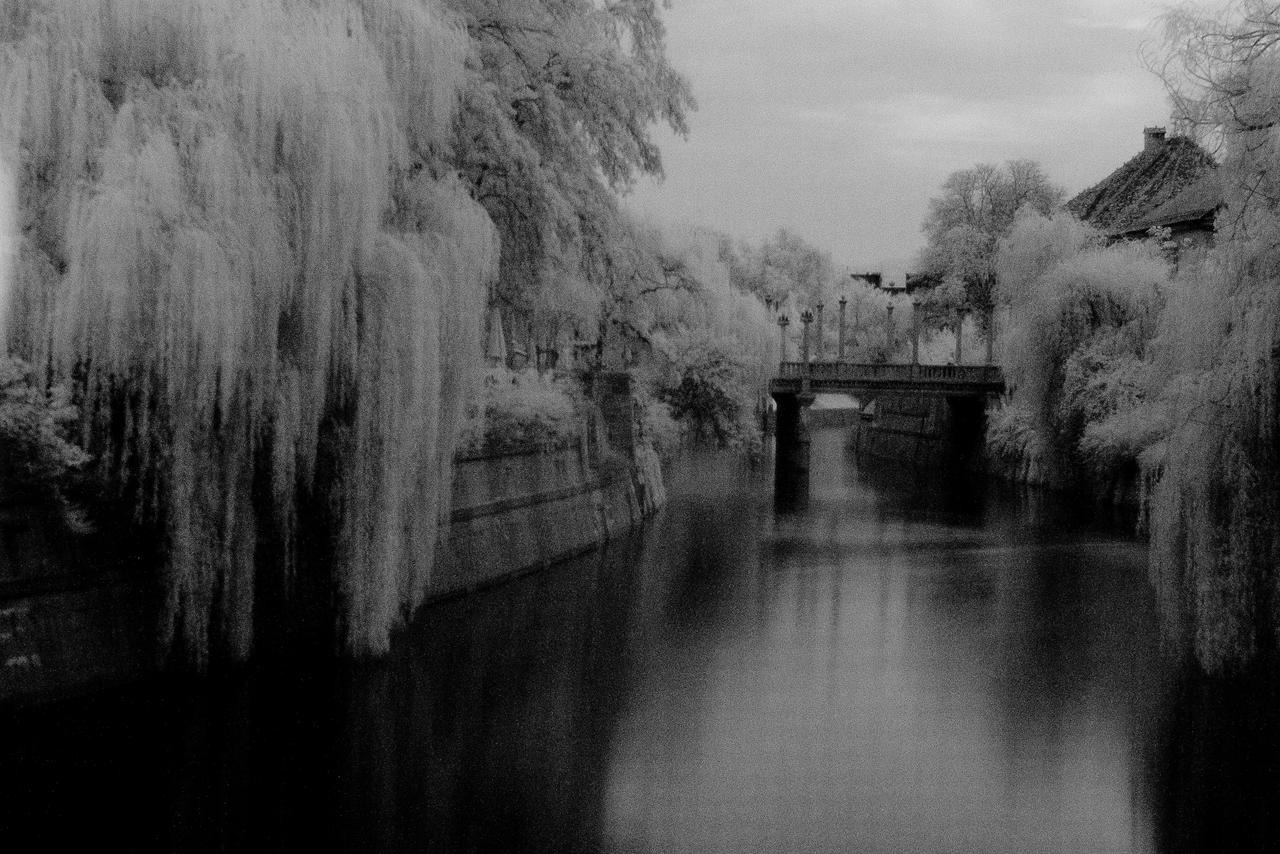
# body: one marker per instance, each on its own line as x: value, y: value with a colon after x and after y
x: 1216, y: 477
x: 1080, y: 317
x: 8, y: 233
x: 716, y: 341
x: 238, y: 241
x: 556, y: 120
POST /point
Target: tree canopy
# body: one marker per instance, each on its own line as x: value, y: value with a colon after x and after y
x: 1215, y: 371
x: 241, y: 243
x: 783, y: 264
x: 975, y: 209
x: 556, y: 117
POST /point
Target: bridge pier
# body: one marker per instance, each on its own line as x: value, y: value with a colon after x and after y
x: 792, y: 439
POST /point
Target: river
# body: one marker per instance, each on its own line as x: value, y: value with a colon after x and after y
x: 912, y: 662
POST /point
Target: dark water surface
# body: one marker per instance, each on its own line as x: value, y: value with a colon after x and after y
x: 906, y: 665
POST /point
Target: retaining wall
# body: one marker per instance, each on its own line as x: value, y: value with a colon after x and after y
x: 68, y: 626
x: 910, y: 428
x: 923, y: 429
x: 70, y: 620
x: 518, y: 512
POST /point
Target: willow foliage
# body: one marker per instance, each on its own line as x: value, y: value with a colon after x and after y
x: 1213, y: 499
x: 557, y: 116
x: 236, y: 237
x: 1215, y: 494
x: 1080, y: 314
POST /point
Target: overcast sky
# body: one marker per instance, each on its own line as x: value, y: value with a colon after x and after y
x: 838, y: 119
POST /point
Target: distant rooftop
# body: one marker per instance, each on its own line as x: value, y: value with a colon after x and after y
x: 1128, y: 197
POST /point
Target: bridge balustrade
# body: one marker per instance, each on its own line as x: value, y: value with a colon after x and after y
x: 850, y: 372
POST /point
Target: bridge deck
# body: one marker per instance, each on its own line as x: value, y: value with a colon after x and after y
x: 814, y: 377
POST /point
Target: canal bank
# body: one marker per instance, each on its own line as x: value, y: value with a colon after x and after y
x: 77, y: 617
x: 930, y: 431
x: 521, y: 511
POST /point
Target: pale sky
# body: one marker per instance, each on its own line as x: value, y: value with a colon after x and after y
x: 838, y: 119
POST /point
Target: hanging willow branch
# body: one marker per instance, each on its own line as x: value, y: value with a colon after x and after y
x: 233, y: 244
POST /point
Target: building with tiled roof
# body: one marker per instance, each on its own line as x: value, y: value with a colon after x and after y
x: 1168, y: 179
x: 1188, y: 215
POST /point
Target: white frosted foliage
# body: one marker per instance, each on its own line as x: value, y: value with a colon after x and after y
x: 236, y: 241
x: 8, y: 238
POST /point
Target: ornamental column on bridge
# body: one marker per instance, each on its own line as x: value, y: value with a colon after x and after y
x: 819, y: 350
x: 840, y: 332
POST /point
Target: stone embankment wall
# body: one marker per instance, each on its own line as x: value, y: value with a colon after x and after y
x: 70, y: 623
x: 926, y: 430
x: 522, y: 511
x: 1053, y: 469
x: 922, y: 429
x: 904, y: 427
x: 71, y: 617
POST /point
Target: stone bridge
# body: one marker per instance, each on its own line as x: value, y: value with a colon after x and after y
x: 796, y: 384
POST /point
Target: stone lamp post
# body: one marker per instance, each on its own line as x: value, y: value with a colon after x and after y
x: 840, y: 332
x: 783, y: 323
x: 806, y: 317
x: 819, y: 350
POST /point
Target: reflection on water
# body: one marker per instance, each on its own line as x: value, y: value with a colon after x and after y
x: 902, y: 665
x: 898, y: 668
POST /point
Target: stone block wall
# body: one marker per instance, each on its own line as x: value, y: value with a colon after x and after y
x: 514, y: 513
x: 71, y: 619
x: 68, y: 626
x: 922, y: 429
x: 909, y: 428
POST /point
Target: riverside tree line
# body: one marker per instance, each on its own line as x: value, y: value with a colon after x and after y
x: 1127, y: 365
x: 251, y: 247
x: 246, y: 254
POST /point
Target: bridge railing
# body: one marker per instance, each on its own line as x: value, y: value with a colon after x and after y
x: 852, y: 372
